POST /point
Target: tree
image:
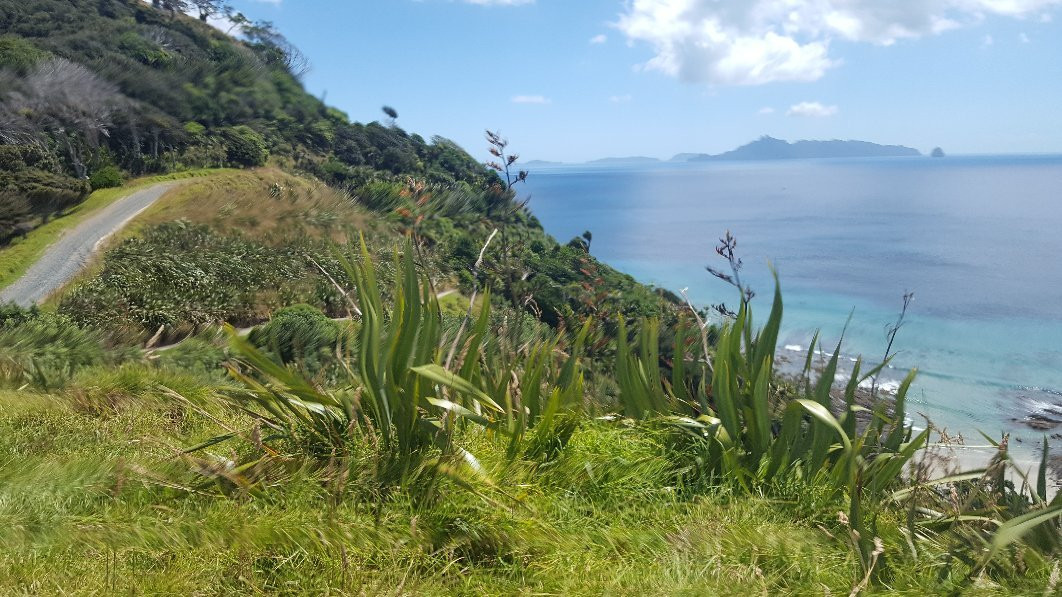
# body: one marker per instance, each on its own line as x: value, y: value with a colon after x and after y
x: 19, y: 54
x: 391, y: 113
x: 245, y: 147
x: 174, y: 6
x: 59, y: 103
x: 277, y: 48
x: 208, y: 7
x: 581, y: 242
x: 497, y: 149
x: 236, y: 19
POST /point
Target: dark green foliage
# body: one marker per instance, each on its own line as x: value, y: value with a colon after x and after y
x: 245, y: 147
x: 11, y: 314
x: 298, y: 333
x: 181, y: 277
x: 32, y: 188
x: 19, y: 54
x: 44, y: 349
x: 200, y: 354
x: 106, y: 177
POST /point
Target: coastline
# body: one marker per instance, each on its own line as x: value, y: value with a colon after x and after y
x: 945, y: 453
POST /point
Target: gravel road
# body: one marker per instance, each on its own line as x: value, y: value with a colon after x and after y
x: 70, y: 254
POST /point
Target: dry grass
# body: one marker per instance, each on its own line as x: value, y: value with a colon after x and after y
x: 267, y: 203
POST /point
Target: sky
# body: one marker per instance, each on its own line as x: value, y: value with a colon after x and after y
x: 574, y: 80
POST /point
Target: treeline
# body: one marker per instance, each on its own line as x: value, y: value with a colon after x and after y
x: 95, y: 90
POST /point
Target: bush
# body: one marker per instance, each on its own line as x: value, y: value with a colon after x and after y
x: 194, y: 354
x: 245, y: 147
x: 19, y: 54
x: 184, y: 276
x: 12, y: 315
x: 106, y: 177
x: 45, y: 350
x: 299, y: 332
x: 194, y: 129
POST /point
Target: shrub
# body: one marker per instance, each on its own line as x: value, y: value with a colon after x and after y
x: 45, y: 350
x: 19, y: 54
x: 194, y: 354
x: 106, y: 177
x: 381, y: 196
x: 12, y: 315
x: 245, y: 147
x: 299, y: 332
x: 194, y: 129
x: 31, y: 188
x: 184, y: 276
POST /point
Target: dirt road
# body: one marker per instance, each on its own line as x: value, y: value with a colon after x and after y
x: 65, y: 258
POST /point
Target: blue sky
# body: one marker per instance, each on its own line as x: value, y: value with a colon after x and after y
x: 573, y: 80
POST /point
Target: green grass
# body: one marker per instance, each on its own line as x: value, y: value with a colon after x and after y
x: 77, y: 515
x: 16, y: 258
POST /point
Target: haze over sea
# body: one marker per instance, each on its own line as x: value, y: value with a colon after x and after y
x: 977, y: 239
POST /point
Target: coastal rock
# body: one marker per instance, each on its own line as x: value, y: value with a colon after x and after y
x: 1044, y: 411
x: 1040, y: 422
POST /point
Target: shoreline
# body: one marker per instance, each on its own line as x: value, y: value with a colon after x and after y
x: 946, y: 453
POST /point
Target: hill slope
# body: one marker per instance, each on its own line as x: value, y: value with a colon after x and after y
x: 90, y: 89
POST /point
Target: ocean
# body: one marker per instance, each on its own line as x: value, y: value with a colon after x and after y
x: 978, y: 240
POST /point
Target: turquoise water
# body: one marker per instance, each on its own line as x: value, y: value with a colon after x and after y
x: 977, y: 239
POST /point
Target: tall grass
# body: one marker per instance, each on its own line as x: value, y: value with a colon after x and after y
x: 398, y: 398
x: 742, y: 434
x: 45, y: 350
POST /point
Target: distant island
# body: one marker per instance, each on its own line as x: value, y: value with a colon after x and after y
x: 686, y: 157
x: 769, y: 148
x: 937, y: 152
x: 626, y: 160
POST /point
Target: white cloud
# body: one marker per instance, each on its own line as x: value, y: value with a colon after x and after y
x: 811, y: 110
x: 620, y: 99
x: 987, y: 41
x: 1046, y: 18
x: 1023, y: 38
x: 599, y: 39
x: 764, y: 111
x: 530, y: 99
x: 752, y: 42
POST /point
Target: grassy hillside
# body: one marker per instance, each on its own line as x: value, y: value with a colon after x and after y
x: 436, y: 396
x: 82, y: 515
